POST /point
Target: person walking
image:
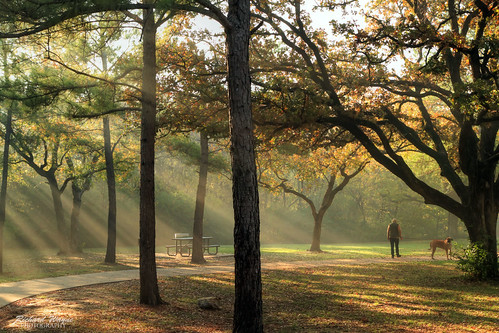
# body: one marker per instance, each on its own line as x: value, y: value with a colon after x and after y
x: 394, y: 234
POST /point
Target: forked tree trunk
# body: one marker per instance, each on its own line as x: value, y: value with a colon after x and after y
x: 327, y: 201
x: 197, y: 230
x: 78, y: 187
x: 149, y: 291
x: 61, y: 238
x: 248, y: 313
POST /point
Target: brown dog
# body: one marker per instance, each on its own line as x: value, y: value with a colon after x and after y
x: 443, y: 244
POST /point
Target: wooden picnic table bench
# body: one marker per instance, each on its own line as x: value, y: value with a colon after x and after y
x: 183, y: 245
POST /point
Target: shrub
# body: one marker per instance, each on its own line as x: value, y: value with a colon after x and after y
x: 474, y: 261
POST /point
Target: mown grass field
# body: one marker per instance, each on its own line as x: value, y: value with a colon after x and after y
x: 395, y: 297
x: 423, y: 296
x: 33, y: 264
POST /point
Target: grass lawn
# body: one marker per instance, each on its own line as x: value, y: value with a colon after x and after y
x: 33, y: 264
x: 395, y: 297
x: 345, y: 251
x: 422, y: 296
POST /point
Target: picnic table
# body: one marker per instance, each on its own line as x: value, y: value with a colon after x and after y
x: 183, y: 245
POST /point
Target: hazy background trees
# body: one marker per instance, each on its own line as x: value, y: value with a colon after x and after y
x: 359, y: 213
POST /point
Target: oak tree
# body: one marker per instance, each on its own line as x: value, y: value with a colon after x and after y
x: 304, y: 172
x: 443, y: 103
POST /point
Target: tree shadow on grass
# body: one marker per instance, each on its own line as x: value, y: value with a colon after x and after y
x: 398, y: 297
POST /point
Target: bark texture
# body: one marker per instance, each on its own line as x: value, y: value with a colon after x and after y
x: 149, y: 291
x: 248, y: 315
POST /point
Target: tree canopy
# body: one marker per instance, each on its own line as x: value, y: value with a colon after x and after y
x: 422, y: 77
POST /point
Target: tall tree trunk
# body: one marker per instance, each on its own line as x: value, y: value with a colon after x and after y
x: 149, y: 291
x: 480, y: 217
x: 74, y: 233
x: 481, y: 224
x: 111, y: 193
x: 61, y: 235
x: 197, y: 230
x: 5, y: 174
x: 248, y: 315
x: 111, y: 183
